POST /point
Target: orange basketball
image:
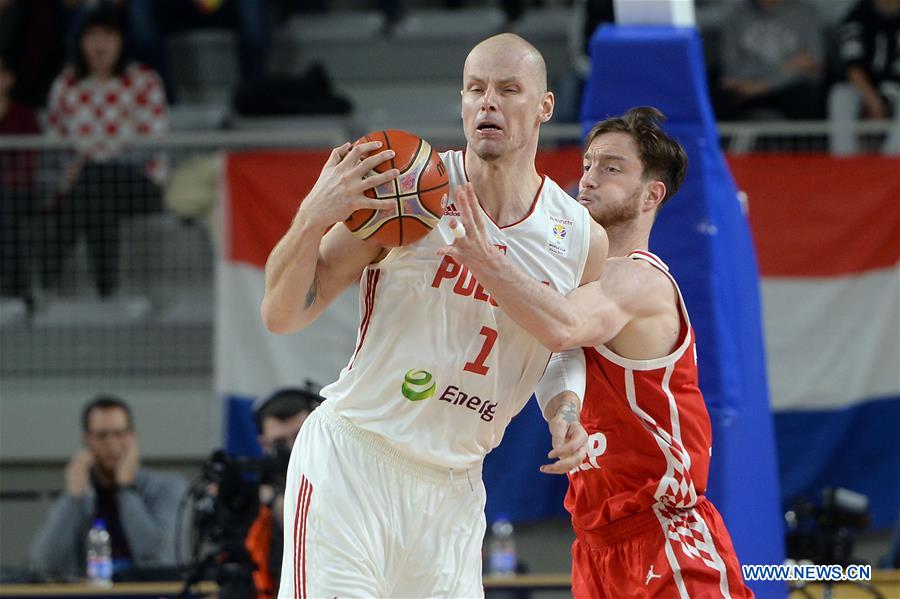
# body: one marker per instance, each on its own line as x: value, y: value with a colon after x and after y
x: 418, y: 191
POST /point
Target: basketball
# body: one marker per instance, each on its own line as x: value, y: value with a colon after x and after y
x: 418, y: 192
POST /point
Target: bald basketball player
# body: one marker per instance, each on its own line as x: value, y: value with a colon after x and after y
x: 643, y: 525
x: 384, y: 493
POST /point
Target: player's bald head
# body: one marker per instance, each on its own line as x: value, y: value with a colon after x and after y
x: 514, y: 50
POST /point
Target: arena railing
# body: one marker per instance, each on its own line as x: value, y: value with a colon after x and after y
x: 738, y: 137
x: 157, y: 318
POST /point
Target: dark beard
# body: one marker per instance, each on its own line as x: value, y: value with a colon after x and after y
x: 624, y: 213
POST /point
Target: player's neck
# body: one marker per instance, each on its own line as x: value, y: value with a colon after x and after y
x: 505, y: 188
x: 624, y: 238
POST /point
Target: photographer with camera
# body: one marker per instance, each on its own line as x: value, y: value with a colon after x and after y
x: 278, y: 418
x: 238, y: 502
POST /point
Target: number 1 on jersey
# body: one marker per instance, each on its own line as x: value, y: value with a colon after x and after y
x: 490, y: 338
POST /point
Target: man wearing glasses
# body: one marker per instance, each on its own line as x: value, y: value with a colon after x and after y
x: 105, y: 480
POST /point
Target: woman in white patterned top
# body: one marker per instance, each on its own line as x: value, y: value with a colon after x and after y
x: 100, y: 103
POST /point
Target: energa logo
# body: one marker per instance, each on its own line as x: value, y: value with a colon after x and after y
x: 417, y: 385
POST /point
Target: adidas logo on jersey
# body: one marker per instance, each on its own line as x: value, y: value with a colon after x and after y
x: 450, y: 210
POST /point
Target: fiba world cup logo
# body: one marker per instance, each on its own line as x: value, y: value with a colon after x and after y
x: 559, y: 232
x: 417, y: 385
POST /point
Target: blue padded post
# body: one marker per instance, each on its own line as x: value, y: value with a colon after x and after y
x: 704, y: 236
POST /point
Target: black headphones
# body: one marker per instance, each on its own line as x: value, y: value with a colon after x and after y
x: 308, y: 399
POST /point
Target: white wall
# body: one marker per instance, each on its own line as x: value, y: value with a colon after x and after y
x: 40, y: 418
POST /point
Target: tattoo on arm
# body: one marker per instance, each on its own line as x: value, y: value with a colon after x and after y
x: 313, y: 292
x: 569, y: 412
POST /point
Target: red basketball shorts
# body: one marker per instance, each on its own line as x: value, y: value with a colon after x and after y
x: 660, y: 552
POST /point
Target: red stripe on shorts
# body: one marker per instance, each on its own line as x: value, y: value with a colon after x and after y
x: 306, y: 501
x: 300, y: 538
x: 296, y: 528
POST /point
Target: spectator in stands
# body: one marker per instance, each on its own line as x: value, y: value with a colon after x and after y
x: 278, y: 419
x: 772, y: 57
x: 16, y: 190
x: 101, y: 103
x: 32, y: 40
x: 74, y: 13
x: 868, y: 50
x: 587, y: 16
x: 151, y: 20
x: 105, y: 480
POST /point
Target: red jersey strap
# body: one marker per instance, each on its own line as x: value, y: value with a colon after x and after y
x: 649, y: 257
x: 685, y: 336
x: 656, y: 261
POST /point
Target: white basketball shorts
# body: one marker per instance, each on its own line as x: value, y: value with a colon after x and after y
x: 363, y: 520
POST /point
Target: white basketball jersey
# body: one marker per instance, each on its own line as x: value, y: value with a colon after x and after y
x: 439, y: 369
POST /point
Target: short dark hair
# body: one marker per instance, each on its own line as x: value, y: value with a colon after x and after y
x: 103, y: 16
x: 661, y: 155
x: 283, y: 404
x: 105, y: 402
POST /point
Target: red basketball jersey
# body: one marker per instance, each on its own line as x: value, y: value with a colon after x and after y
x: 649, y: 431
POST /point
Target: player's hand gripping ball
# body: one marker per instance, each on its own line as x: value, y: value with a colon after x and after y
x: 417, y: 192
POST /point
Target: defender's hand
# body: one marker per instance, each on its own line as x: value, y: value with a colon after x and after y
x: 569, y: 438
x: 471, y: 244
x: 340, y: 189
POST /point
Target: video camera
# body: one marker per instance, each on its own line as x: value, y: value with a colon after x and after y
x: 226, y: 496
x: 824, y: 534
x: 225, y: 503
x: 228, y: 499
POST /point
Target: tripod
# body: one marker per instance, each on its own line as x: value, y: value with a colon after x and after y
x: 234, y: 575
